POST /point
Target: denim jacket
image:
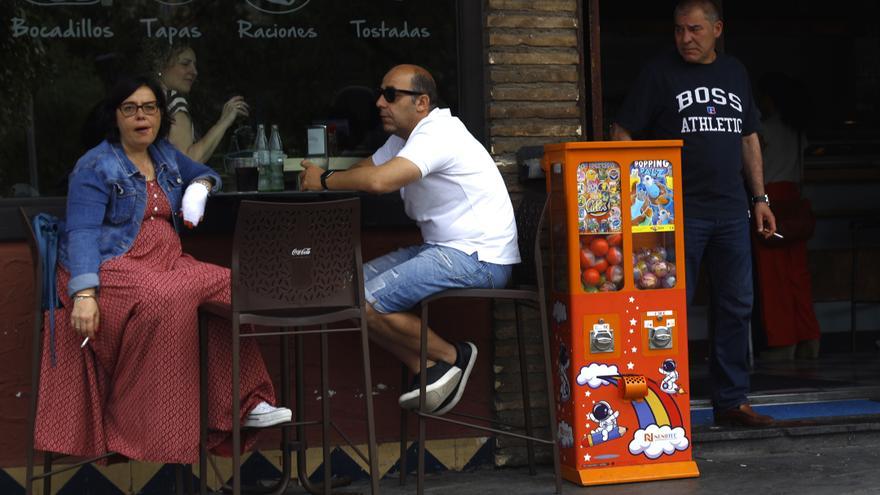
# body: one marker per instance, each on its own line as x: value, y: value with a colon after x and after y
x: 106, y: 199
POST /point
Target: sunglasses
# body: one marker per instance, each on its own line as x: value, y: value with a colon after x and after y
x: 129, y: 109
x: 390, y: 93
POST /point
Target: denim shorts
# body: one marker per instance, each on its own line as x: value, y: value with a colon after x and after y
x: 399, y: 280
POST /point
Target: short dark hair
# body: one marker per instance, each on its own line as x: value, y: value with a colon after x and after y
x: 124, y: 88
x: 424, y: 83
x: 709, y: 7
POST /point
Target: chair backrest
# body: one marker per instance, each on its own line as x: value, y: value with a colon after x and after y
x: 297, y: 255
x: 530, y: 216
x: 42, y: 238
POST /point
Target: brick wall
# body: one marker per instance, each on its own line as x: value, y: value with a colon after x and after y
x: 534, y: 74
x: 535, y: 96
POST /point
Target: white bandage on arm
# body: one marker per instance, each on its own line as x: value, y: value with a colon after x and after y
x: 194, y: 199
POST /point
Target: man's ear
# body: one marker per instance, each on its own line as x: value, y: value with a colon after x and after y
x: 423, y: 103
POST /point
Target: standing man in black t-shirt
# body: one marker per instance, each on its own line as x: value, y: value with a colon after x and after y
x: 705, y: 98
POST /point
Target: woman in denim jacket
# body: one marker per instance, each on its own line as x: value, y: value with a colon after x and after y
x: 126, y: 375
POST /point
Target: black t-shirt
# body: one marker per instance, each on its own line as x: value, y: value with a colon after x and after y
x: 710, y: 107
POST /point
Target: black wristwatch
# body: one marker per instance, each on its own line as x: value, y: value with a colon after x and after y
x: 755, y: 199
x: 324, y: 177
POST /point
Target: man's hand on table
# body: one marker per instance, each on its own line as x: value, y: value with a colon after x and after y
x: 310, y: 177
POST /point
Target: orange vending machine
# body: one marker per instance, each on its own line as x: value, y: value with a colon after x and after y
x: 618, y: 311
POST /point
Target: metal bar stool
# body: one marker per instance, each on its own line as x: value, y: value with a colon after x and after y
x: 527, y: 287
x: 294, y: 265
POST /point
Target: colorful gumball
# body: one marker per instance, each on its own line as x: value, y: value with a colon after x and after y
x: 661, y: 269
x: 648, y: 281
x: 600, y: 265
x: 615, y: 240
x: 668, y: 282
x: 614, y: 256
x: 614, y: 274
x: 591, y: 277
x: 608, y: 286
x: 588, y: 259
x: 642, y: 266
x: 599, y: 246
x: 660, y: 252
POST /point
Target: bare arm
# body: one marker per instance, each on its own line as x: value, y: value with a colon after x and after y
x: 181, y: 135
x: 388, y: 177
x: 753, y: 166
x: 618, y: 133
x: 366, y: 162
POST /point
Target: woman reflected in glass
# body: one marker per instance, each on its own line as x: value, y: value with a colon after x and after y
x: 176, y: 70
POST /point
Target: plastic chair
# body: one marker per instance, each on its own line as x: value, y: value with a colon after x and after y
x: 44, y: 289
x: 294, y: 265
x: 527, y: 287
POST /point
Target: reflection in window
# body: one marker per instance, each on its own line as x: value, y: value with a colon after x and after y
x: 316, y: 63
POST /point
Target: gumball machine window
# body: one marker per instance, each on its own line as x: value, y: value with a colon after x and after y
x: 601, y: 260
x: 653, y: 261
x: 600, y: 226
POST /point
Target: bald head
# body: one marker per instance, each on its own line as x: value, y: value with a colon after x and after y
x: 420, y: 81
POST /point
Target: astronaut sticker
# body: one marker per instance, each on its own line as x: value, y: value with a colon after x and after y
x: 670, y: 380
x: 606, y: 420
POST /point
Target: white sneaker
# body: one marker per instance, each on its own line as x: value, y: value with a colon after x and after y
x: 267, y: 415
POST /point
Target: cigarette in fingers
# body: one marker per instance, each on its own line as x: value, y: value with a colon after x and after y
x: 85, y: 341
x: 777, y: 234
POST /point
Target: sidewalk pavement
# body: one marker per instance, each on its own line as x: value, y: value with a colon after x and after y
x: 814, y: 469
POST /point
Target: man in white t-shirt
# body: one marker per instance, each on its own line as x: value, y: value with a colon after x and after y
x: 453, y: 190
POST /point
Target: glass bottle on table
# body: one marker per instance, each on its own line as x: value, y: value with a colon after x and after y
x: 261, y: 157
x: 276, y: 159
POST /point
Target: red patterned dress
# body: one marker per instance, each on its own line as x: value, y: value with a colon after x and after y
x: 134, y: 389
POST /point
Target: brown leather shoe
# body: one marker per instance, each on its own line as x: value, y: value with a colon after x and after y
x: 742, y: 415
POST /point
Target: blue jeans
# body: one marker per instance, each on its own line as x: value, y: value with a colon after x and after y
x: 399, y: 280
x: 725, y: 246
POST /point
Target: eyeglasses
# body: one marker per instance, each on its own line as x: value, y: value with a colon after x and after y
x: 130, y: 109
x: 390, y: 93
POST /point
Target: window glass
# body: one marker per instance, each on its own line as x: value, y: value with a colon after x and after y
x: 296, y: 62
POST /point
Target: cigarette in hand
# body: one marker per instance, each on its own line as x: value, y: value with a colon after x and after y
x: 777, y: 234
x: 85, y: 341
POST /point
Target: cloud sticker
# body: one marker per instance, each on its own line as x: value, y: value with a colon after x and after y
x: 655, y: 441
x: 589, y: 374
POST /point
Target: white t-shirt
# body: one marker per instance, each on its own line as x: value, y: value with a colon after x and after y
x: 461, y: 200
